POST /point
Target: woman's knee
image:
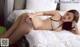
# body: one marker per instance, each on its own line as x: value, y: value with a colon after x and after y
x: 24, y: 32
x: 24, y: 15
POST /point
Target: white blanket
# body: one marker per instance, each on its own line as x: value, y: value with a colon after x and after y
x: 46, y: 38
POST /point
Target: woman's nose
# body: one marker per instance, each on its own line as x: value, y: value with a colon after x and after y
x: 66, y: 17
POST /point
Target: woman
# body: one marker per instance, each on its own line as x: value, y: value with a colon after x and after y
x: 21, y: 27
x: 57, y: 22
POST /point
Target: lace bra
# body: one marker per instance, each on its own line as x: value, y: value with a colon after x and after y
x: 55, y: 24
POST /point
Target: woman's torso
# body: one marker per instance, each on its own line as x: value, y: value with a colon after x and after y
x: 49, y: 24
x: 56, y: 25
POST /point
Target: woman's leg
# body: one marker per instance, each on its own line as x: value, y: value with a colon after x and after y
x: 22, y: 29
x: 13, y: 27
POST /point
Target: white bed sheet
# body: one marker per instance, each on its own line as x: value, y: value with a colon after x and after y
x: 46, y: 38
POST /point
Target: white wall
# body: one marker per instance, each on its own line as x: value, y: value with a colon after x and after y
x: 41, y: 5
x: 67, y: 6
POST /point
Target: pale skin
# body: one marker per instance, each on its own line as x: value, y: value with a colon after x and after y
x: 55, y: 16
x: 39, y: 24
x: 21, y: 27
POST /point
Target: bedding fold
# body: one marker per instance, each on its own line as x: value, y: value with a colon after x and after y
x: 46, y: 38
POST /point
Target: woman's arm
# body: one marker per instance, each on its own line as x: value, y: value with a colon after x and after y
x: 48, y: 13
x: 76, y: 29
x: 52, y: 13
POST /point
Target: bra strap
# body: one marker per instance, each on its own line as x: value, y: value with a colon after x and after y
x: 55, y: 20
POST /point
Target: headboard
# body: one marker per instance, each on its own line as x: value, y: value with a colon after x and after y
x: 11, y: 5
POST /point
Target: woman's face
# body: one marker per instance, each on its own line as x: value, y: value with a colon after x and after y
x: 68, y: 17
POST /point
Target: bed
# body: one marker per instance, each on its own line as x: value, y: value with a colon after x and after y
x: 57, y: 39
x: 38, y: 40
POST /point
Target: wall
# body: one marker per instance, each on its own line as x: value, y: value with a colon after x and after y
x: 41, y: 5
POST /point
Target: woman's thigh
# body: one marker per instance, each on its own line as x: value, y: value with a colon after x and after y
x: 24, y: 25
x: 20, y: 32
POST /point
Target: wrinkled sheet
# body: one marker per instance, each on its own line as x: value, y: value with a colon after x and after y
x: 46, y: 38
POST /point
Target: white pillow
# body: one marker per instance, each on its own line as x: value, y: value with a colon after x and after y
x: 16, y: 13
x: 41, y: 5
